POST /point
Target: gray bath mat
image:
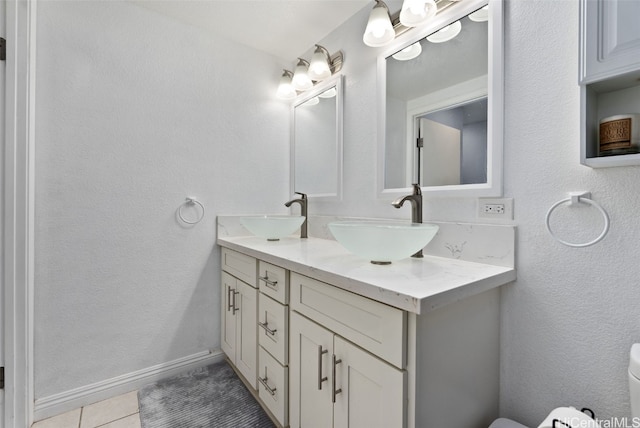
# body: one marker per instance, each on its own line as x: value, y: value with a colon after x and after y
x: 208, y: 397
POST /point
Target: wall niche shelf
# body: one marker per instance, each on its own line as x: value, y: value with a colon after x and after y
x: 609, y: 74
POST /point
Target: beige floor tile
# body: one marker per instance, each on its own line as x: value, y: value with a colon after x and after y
x: 132, y: 421
x: 109, y: 410
x: 66, y: 420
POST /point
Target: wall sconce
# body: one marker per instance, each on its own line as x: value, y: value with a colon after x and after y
x: 285, y: 88
x: 306, y: 74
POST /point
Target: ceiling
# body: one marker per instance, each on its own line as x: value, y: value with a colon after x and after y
x: 283, y: 28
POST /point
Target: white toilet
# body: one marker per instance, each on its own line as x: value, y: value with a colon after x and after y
x: 634, y: 395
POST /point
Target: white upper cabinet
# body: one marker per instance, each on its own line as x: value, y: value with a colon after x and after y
x: 609, y: 38
x: 609, y: 77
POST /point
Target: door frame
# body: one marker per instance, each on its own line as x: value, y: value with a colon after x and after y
x: 18, y: 212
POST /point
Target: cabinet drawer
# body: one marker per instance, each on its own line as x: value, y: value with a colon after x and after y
x: 239, y: 265
x: 273, y: 386
x: 273, y: 328
x: 273, y: 281
x: 378, y: 328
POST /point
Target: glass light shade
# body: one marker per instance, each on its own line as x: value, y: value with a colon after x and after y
x: 417, y: 12
x: 410, y: 52
x: 329, y: 93
x: 301, y: 80
x: 379, y: 30
x: 285, y: 88
x: 445, y: 34
x: 480, y: 15
x: 311, y: 102
x: 319, y: 68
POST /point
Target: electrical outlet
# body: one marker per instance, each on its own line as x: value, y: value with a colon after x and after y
x: 495, y: 208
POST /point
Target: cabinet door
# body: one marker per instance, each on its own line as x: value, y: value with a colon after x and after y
x: 246, y: 331
x: 228, y: 319
x: 372, y: 392
x: 609, y: 38
x: 311, y: 349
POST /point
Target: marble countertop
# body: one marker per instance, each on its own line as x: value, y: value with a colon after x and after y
x: 414, y: 285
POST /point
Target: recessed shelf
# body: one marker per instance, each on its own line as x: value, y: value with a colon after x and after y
x: 613, y: 96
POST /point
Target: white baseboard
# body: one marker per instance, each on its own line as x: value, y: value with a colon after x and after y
x: 69, y: 400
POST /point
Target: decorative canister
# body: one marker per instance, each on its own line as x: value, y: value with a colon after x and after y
x: 619, y: 135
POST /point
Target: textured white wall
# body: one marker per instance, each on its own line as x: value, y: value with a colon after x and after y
x: 134, y: 113
x: 570, y: 318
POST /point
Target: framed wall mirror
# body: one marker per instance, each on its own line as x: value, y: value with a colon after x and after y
x: 440, y: 98
x: 316, y: 141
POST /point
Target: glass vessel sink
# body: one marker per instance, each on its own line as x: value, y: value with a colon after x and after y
x: 272, y: 227
x: 383, y: 242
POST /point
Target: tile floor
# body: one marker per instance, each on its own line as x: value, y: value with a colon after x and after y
x: 117, y: 412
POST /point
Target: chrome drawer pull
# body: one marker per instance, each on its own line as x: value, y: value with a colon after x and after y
x: 335, y: 392
x: 265, y: 325
x: 320, y: 378
x: 265, y: 384
x: 267, y: 281
x: 229, y: 304
x: 235, y: 309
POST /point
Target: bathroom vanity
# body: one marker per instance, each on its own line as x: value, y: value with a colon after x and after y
x: 329, y: 340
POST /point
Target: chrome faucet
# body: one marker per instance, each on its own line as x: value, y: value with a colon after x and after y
x: 416, y: 208
x: 302, y: 200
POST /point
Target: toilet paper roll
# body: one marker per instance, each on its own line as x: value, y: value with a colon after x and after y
x: 571, y: 417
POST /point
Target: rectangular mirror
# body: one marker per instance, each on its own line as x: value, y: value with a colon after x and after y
x: 316, y: 141
x: 440, y: 105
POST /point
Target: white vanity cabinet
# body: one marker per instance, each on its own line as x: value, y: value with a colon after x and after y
x: 238, y: 316
x: 334, y: 383
x: 609, y: 74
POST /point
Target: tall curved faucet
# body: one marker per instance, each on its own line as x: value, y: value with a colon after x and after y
x: 416, y: 208
x: 302, y: 200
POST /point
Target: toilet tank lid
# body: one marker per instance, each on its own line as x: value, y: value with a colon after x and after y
x: 634, y: 360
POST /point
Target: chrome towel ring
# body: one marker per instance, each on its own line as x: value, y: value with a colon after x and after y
x: 575, y: 198
x: 190, y: 202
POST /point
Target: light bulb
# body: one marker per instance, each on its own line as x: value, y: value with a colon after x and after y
x: 301, y: 80
x: 379, y: 30
x: 285, y: 88
x: 319, y: 68
x: 416, y: 12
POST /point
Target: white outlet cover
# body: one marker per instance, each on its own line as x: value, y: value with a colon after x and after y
x: 508, y: 209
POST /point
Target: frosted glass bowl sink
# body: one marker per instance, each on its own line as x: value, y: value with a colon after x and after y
x: 272, y: 227
x: 383, y: 242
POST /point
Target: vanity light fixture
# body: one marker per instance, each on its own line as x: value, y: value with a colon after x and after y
x: 445, y: 34
x: 311, y: 102
x: 410, y: 52
x: 301, y: 80
x: 379, y: 29
x: 306, y: 75
x: 285, y: 88
x: 417, y: 12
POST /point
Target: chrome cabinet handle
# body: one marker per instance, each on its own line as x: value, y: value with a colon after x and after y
x: 320, y: 378
x: 267, y: 281
x: 235, y: 293
x: 334, y: 391
x: 229, y: 304
x: 265, y: 384
x: 265, y: 325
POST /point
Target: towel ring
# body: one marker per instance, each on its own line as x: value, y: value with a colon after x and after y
x: 581, y: 197
x: 189, y: 202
